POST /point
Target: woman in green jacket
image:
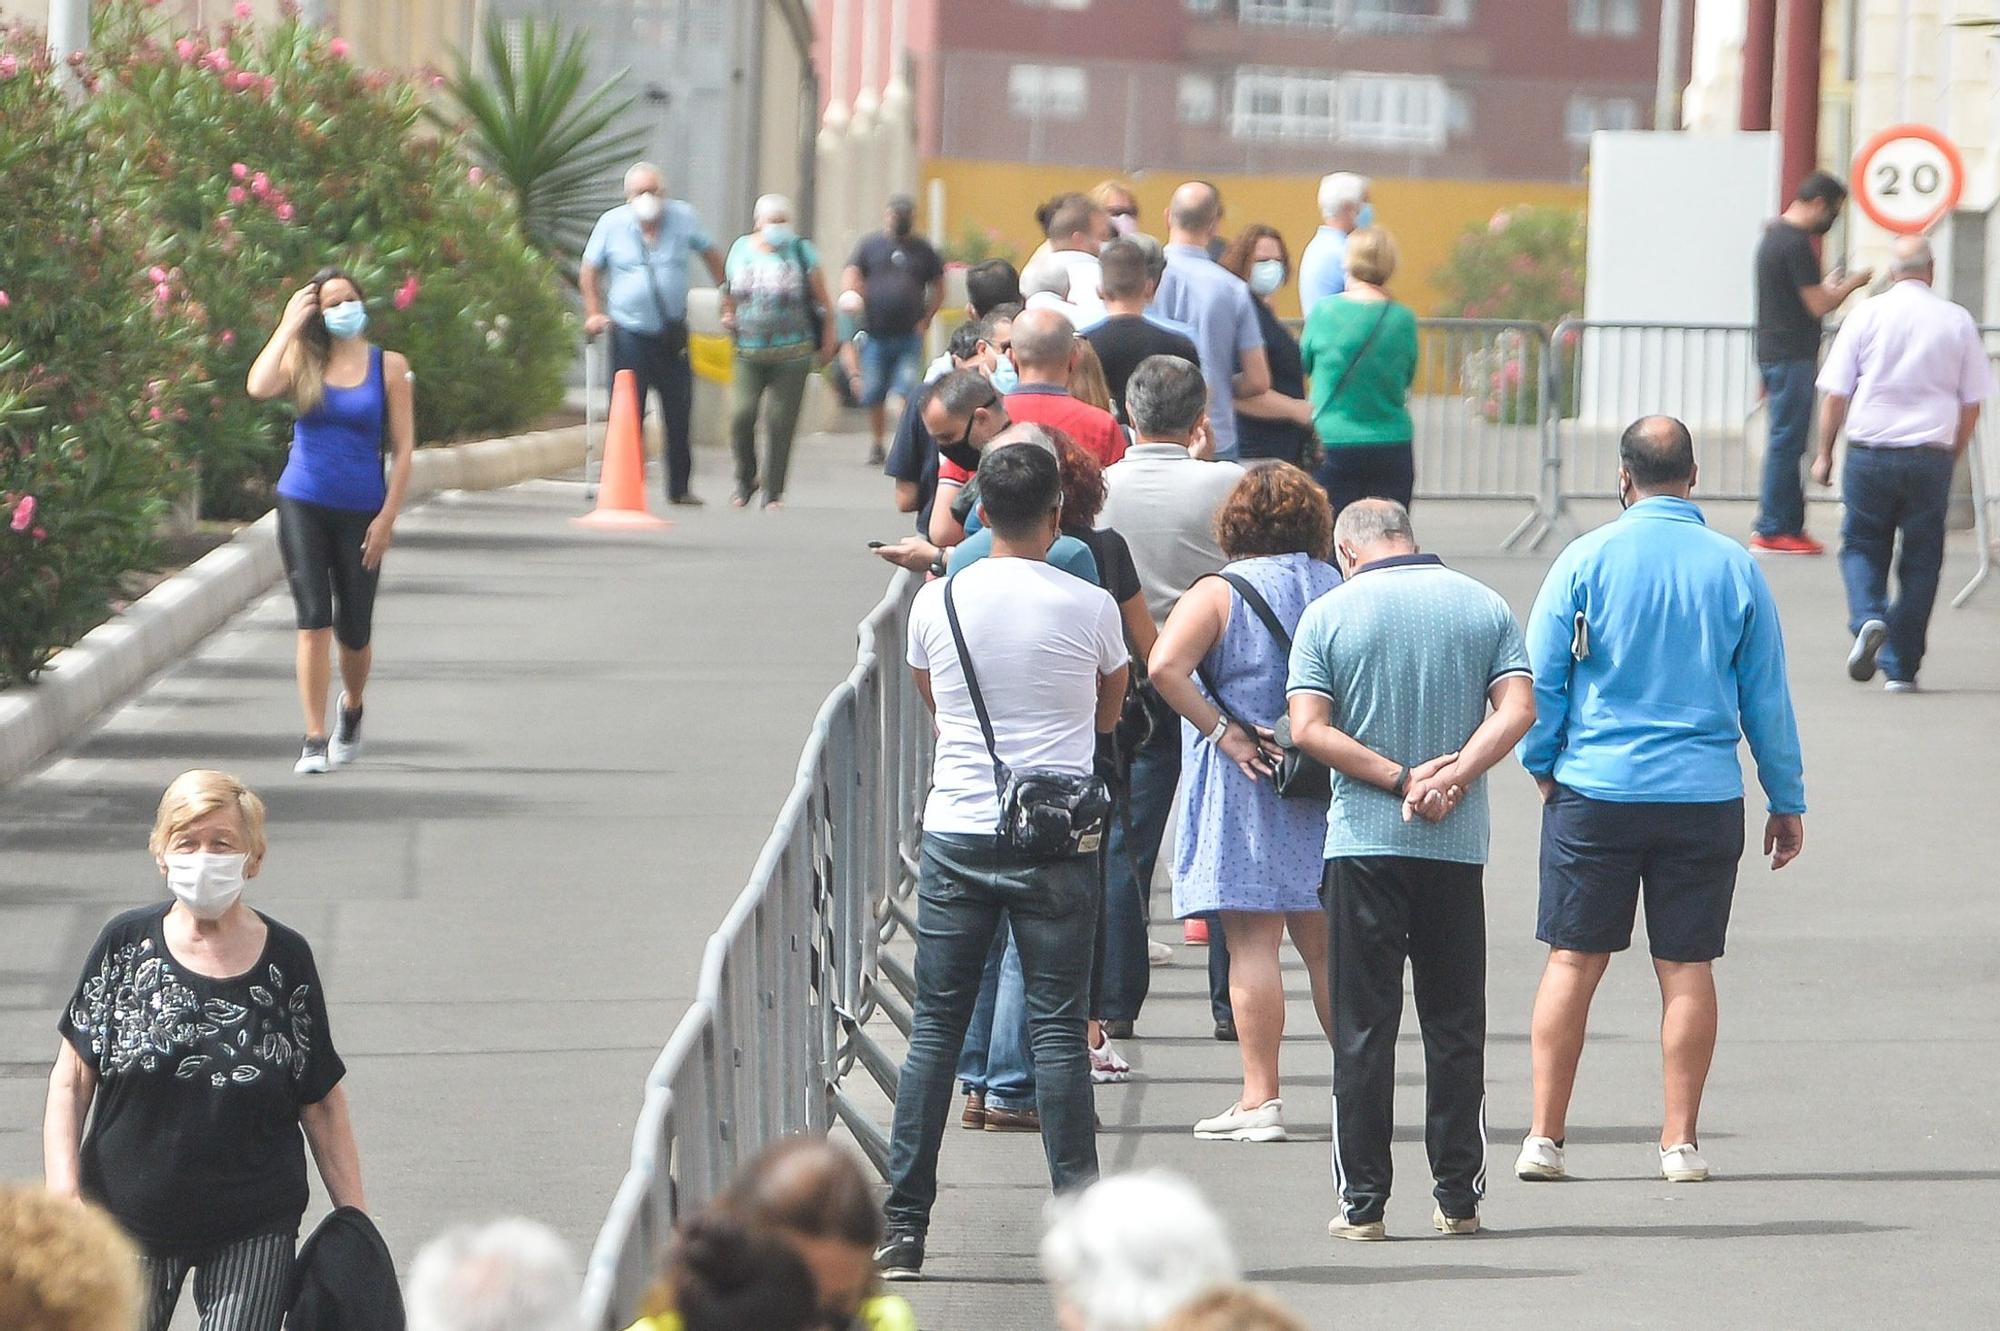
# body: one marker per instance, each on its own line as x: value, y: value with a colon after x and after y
x: 1360, y: 352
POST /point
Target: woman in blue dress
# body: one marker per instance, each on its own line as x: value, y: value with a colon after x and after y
x: 1241, y: 849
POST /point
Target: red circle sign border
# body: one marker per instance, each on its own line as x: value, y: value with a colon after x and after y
x: 1891, y: 135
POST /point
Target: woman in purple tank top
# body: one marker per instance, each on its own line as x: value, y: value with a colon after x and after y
x: 336, y: 509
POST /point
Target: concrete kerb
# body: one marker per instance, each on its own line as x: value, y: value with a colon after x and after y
x: 114, y: 659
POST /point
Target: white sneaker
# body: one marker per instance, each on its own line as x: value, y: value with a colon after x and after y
x: 1371, y: 1231
x: 1901, y: 686
x: 1540, y: 1161
x: 1265, y: 1123
x: 1683, y: 1164
x: 312, y: 759
x: 1867, y: 646
x: 1158, y: 953
x: 345, y: 744
x: 1107, y: 1066
x: 1447, y: 1224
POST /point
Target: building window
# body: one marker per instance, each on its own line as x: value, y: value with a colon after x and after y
x: 1368, y: 110
x: 1584, y: 116
x: 1055, y: 4
x: 1604, y: 18
x: 1198, y: 99
x: 1202, y: 6
x: 1321, y: 13
x: 1047, y: 92
x: 1362, y: 15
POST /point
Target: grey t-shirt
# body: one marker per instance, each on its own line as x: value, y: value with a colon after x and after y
x: 1407, y: 650
x: 1163, y: 502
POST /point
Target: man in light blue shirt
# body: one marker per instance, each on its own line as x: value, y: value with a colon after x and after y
x: 1393, y: 673
x: 1201, y: 293
x: 634, y: 280
x: 1656, y: 647
x: 1343, y: 210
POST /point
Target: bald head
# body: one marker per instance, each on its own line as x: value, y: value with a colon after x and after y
x: 1656, y: 457
x: 1044, y: 343
x: 1911, y: 256
x: 1194, y: 212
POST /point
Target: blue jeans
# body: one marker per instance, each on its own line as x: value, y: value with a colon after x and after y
x: 966, y: 886
x: 1788, y: 388
x: 1892, y: 490
x: 890, y: 360
x: 995, y: 1061
x: 1134, y: 849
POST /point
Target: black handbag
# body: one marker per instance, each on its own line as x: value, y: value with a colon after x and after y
x: 1300, y: 776
x: 1043, y: 815
x: 795, y: 252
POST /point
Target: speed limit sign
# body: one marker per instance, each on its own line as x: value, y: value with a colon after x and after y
x: 1908, y: 177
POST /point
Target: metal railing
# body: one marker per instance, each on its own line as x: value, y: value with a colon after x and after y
x: 793, y: 976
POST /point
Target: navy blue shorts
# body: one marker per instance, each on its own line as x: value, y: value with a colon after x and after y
x: 1597, y: 856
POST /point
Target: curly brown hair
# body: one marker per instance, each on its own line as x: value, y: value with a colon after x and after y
x: 63, y: 1267
x: 1240, y: 257
x: 1275, y: 510
x: 1082, y: 482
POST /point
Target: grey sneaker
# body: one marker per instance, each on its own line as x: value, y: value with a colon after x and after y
x: 901, y: 1256
x: 1867, y: 646
x: 345, y: 746
x: 312, y: 759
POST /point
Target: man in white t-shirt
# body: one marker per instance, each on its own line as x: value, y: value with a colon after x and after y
x: 1050, y: 659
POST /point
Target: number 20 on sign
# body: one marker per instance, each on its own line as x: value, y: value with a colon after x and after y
x: 1907, y: 178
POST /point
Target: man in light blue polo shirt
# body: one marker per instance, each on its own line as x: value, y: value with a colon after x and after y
x: 635, y: 284
x: 1409, y: 681
x: 1343, y: 210
x: 1656, y: 649
x: 1202, y: 294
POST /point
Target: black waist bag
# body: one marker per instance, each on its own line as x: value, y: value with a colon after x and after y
x: 1043, y: 815
x: 1299, y: 775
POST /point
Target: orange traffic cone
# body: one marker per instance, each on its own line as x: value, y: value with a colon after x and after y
x: 621, y: 482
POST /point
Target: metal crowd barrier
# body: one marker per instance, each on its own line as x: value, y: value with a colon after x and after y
x: 793, y: 976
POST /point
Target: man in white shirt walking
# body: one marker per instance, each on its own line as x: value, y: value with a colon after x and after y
x: 1906, y: 377
x: 1048, y: 661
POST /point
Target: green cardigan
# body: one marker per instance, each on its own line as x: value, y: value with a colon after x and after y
x: 1374, y: 405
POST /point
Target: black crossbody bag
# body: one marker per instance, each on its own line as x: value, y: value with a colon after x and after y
x: 1043, y: 815
x: 1299, y: 776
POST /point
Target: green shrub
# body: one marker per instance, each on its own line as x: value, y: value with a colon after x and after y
x: 260, y: 154
x: 95, y: 371
x: 1524, y: 263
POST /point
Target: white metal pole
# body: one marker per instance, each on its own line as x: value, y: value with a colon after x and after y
x: 69, y: 34
x: 1666, y: 98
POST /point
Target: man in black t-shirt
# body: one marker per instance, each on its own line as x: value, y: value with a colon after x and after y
x: 1791, y: 301
x: 1128, y: 334
x: 901, y: 284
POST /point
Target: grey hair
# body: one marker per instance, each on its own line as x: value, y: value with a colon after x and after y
x: 638, y: 169
x: 1026, y: 432
x: 1046, y: 274
x: 1912, y: 256
x: 1156, y: 255
x: 1165, y: 397
x: 1367, y: 522
x: 1129, y: 1252
x: 768, y: 204
x: 509, y: 1275
x: 1338, y: 190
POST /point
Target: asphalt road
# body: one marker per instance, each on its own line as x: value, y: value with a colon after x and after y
x: 577, y: 743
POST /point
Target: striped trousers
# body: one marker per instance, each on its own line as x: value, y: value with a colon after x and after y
x: 242, y: 1286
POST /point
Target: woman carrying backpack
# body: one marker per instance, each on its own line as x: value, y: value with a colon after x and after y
x: 777, y: 311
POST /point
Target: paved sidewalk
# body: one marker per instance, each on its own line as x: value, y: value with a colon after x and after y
x: 1850, y: 1117
x: 576, y: 745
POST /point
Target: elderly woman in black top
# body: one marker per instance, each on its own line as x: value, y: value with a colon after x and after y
x: 1275, y: 425
x: 196, y: 1047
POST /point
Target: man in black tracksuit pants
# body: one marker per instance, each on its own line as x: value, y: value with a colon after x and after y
x: 1397, y: 703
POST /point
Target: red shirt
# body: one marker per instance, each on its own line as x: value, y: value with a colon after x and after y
x: 1093, y: 428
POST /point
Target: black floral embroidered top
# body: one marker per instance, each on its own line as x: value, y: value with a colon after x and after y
x: 194, y: 1137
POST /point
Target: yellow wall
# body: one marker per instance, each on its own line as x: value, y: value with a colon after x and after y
x: 1425, y: 216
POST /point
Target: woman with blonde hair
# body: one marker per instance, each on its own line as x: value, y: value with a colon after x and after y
x: 1086, y: 377
x: 1360, y: 351
x: 63, y: 1267
x: 336, y: 510
x: 1116, y: 198
x: 201, y: 1023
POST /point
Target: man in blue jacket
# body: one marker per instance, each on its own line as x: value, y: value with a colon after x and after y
x: 1656, y: 647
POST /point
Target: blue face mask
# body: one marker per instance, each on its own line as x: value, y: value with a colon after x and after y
x: 1365, y: 217
x: 779, y: 233
x: 1267, y: 275
x: 1005, y: 377
x: 346, y: 320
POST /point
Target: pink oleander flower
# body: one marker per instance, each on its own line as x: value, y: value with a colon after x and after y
x: 228, y: 338
x: 154, y: 414
x: 24, y: 513
x: 218, y: 60
x: 239, y: 170
x: 260, y: 184
x: 406, y: 294
x: 40, y: 533
x: 475, y: 175
x: 285, y: 212
x: 244, y: 9
x: 5, y: 300
x: 237, y: 194
x: 9, y: 66
x: 162, y: 293
x: 338, y: 48
x: 186, y: 49
x: 156, y: 274
x: 1500, y: 222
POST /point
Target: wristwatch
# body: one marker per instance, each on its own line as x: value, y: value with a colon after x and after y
x: 1221, y: 729
x: 1402, y: 785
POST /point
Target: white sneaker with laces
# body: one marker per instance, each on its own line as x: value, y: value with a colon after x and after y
x: 1451, y: 1224
x: 1368, y: 1231
x: 1265, y: 1123
x: 1158, y: 953
x: 1107, y: 1066
x: 1540, y: 1161
x: 1901, y: 686
x: 344, y: 745
x: 312, y: 759
x: 1683, y: 1164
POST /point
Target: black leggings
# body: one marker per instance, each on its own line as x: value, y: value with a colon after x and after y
x: 330, y: 588
x: 1368, y: 471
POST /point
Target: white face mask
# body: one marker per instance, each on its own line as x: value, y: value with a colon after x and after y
x: 208, y: 885
x: 648, y: 207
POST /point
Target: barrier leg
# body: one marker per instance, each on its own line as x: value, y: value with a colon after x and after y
x: 1982, y: 526
x: 593, y: 424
